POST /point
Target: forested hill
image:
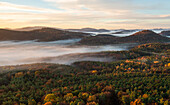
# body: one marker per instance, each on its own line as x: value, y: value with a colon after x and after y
x: 165, y: 33
x: 44, y: 34
x: 145, y: 36
x: 51, y: 34
x: 140, y: 78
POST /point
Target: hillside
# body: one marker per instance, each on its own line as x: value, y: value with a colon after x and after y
x: 145, y: 36
x: 29, y: 28
x: 99, y: 40
x: 44, y: 34
x: 124, y: 32
x: 89, y: 30
x: 165, y: 33
x: 141, y: 78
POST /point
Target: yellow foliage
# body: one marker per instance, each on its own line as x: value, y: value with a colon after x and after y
x: 83, y: 95
x: 15, y: 103
x: 69, y: 95
x: 119, y: 94
x: 117, y: 67
x: 72, y: 103
x: 166, y: 102
x: 19, y: 74
x: 92, y: 103
x: 50, y: 97
x: 168, y: 92
x: 167, y: 65
x: 161, y: 100
x: 37, y: 73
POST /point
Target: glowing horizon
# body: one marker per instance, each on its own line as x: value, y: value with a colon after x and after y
x: 109, y: 14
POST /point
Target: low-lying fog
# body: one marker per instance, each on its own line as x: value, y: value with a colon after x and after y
x: 63, y: 52
x: 125, y: 33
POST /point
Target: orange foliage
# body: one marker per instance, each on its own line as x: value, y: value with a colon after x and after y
x: 136, y: 102
x: 156, y: 62
x: 94, y: 71
x: 145, y: 96
x: 91, y: 98
x: 19, y: 74
x: 91, y: 103
x: 48, y: 103
x: 18, y: 95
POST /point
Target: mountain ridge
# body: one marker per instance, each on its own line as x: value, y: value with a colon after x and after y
x: 44, y: 34
x: 165, y: 33
x: 145, y: 36
x: 89, y: 30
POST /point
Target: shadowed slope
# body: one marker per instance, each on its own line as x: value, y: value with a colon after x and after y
x: 44, y: 34
x: 145, y: 36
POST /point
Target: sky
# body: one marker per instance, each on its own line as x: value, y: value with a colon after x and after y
x: 109, y: 14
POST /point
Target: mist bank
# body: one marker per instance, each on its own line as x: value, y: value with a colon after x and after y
x: 62, y: 52
x: 68, y: 59
x: 71, y: 49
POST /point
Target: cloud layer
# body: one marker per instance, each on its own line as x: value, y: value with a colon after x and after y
x: 112, y: 14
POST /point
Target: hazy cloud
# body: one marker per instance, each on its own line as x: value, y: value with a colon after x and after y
x: 83, y: 13
x: 5, y: 6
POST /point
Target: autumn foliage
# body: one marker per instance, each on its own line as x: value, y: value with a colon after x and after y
x: 140, y: 78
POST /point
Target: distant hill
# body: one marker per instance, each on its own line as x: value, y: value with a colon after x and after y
x: 98, y: 40
x: 89, y: 30
x: 165, y: 33
x: 29, y: 28
x: 145, y: 36
x: 52, y: 34
x: 44, y: 34
x: 104, y: 35
x: 124, y: 32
